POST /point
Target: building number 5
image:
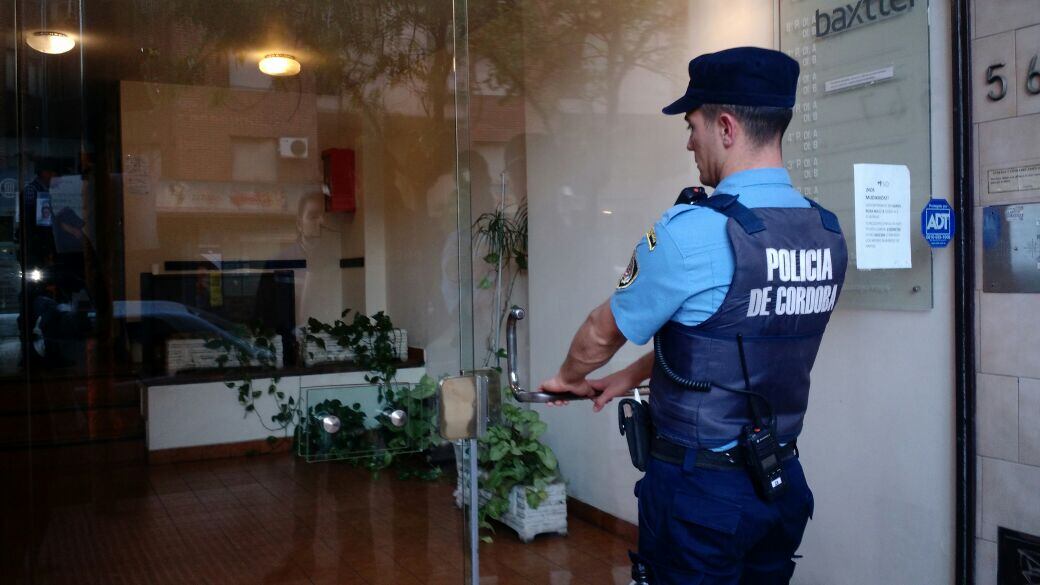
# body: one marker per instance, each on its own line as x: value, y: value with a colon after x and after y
x: 992, y: 77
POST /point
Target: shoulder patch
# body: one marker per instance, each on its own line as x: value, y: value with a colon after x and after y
x: 630, y: 273
x: 651, y: 239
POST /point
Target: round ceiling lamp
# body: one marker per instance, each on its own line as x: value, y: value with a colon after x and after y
x: 51, y: 42
x: 280, y: 65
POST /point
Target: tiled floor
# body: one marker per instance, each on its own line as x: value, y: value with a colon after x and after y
x: 269, y: 520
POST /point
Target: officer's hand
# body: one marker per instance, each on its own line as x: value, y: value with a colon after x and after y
x: 557, y: 384
x: 614, y: 385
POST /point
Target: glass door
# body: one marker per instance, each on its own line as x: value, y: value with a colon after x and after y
x: 230, y: 277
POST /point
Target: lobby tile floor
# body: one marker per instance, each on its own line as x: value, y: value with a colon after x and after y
x: 270, y: 520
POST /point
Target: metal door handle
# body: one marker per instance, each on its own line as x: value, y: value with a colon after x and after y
x: 515, y: 314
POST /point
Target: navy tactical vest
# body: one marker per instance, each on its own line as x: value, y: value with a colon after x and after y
x: 790, y: 266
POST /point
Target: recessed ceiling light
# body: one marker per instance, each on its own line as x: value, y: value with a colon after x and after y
x: 280, y: 65
x: 51, y: 42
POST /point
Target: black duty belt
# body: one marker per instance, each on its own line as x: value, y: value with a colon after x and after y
x: 669, y: 452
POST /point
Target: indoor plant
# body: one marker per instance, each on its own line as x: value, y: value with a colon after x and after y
x: 520, y: 484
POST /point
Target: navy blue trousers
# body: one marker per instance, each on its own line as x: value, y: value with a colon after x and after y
x: 708, y: 527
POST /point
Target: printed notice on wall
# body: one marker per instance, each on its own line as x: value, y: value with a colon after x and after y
x: 882, y: 216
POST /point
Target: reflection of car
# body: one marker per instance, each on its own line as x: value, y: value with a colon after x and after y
x: 142, y: 329
x: 150, y: 324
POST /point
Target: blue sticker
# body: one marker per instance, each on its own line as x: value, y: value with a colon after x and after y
x: 938, y: 223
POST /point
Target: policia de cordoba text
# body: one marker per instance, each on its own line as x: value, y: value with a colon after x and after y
x: 795, y: 266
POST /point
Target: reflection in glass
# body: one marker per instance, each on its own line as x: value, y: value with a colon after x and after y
x: 182, y: 190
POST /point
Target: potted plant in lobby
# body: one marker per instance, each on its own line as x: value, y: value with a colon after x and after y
x: 374, y: 346
x: 520, y: 484
x: 522, y: 476
x: 502, y: 239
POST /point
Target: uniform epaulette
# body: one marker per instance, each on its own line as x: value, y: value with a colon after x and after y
x: 677, y: 210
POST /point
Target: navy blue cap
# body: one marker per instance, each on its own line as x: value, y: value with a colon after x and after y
x: 744, y: 76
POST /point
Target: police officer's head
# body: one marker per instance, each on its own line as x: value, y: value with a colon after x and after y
x: 737, y: 105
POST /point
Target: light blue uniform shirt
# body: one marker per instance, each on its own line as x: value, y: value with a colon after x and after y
x: 686, y: 275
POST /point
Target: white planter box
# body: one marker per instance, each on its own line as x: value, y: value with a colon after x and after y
x: 334, y: 352
x: 549, y: 516
x: 528, y: 522
x: 192, y: 354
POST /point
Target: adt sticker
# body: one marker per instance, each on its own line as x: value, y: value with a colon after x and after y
x: 937, y: 223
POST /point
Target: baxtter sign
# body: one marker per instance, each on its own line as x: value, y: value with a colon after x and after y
x: 862, y: 13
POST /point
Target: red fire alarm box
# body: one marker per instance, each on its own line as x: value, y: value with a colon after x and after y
x: 340, y: 179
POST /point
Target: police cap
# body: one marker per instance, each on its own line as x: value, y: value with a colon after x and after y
x: 744, y: 76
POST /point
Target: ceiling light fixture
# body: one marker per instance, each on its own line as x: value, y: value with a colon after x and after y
x: 51, y: 42
x: 280, y: 65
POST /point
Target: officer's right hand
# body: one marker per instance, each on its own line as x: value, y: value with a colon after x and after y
x: 614, y: 385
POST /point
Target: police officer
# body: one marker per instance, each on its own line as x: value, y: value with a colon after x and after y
x: 736, y: 290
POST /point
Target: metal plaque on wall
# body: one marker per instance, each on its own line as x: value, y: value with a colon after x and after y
x: 1011, y: 248
x: 863, y: 98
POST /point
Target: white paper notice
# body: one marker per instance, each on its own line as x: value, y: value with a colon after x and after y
x: 882, y: 216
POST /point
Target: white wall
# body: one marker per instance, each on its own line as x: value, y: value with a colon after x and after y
x: 878, y: 443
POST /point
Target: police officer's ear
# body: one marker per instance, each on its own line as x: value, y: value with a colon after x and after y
x: 728, y: 128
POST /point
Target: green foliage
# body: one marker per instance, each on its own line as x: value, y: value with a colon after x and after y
x: 372, y: 341
x: 348, y: 441
x: 370, y: 443
x: 418, y: 433
x: 511, y: 454
x: 502, y: 239
x: 369, y: 338
x: 253, y: 361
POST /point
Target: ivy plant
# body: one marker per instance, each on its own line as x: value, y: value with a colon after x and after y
x: 253, y: 361
x: 351, y: 437
x: 372, y: 341
x: 369, y: 338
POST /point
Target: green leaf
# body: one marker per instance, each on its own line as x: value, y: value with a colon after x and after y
x: 547, y: 457
x: 257, y: 394
x: 537, y: 428
x: 498, y: 451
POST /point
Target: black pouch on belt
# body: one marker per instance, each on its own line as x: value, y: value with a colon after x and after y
x: 634, y: 423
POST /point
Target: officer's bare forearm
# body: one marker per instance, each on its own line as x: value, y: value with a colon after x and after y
x: 596, y: 341
x: 641, y: 369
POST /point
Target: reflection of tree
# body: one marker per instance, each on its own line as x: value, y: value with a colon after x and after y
x: 358, y: 51
x: 540, y: 50
x: 548, y: 49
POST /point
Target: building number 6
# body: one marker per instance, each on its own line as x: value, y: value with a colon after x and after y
x: 1033, y: 77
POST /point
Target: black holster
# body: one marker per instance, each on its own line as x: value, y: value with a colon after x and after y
x: 641, y: 574
x: 634, y: 424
